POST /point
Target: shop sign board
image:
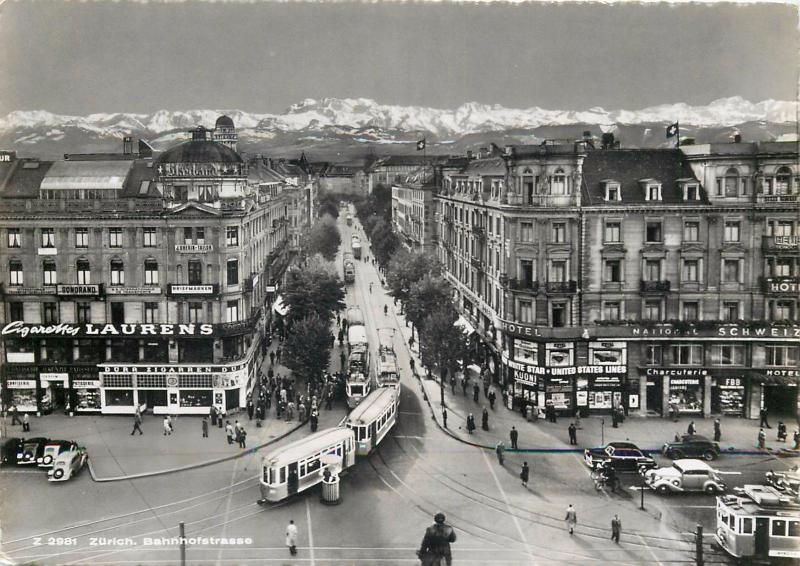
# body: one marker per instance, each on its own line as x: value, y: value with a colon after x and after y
x: 20, y: 329
x: 782, y: 372
x: 192, y: 289
x: 199, y: 169
x: 781, y: 285
x: 675, y: 372
x: 30, y: 290
x: 78, y: 290
x: 193, y: 248
x: 21, y: 384
x: 85, y: 384
x: 53, y: 376
x: 603, y: 381
x: 786, y: 241
x: 176, y: 369
x: 133, y: 290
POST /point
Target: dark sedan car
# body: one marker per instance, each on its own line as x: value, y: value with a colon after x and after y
x: 691, y: 446
x: 624, y: 457
x: 31, y: 449
x: 11, y: 447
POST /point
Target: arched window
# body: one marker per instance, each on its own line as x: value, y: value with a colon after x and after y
x: 117, y: 272
x: 783, y: 181
x: 559, y: 184
x: 730, y: 184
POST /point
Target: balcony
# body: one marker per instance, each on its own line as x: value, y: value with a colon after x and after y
x: 789, y: 286
x: 479, y: 232
x: 503, y: 278
x: 565, y: 287
x: 781, y: 243
x: 447, y: 220
x: 245, y: 326
x: 527, y: 285
x: 779, y: 199
x: 477, y: 263
x: 654, y: 286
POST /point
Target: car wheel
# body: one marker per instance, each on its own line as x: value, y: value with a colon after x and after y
x: 47, y: 460
x: 27, y: 456
x: 58, y: 474
x: 662, y: 489
x: 710, y: 489
x: 709, y: 455
x: 676, y: 455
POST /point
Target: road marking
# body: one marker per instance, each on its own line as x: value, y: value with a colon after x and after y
x: 508, y: 506
x: 650, y: 550
x: 310, y: 533
x: 227, y: 508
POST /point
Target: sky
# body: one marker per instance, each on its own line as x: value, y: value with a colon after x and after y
x: 81, y: 58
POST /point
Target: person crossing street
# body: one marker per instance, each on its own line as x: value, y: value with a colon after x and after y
x: 137, y: 423
x: 500, y: 451
x: 514, y: 435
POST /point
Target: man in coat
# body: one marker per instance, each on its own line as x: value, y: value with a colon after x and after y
x: 524, y: 474
x: 470, y: 423
x: 573, y: 434
x: 476, y: 392
x: 229, y: 432
x: 291, y: 538
x: 205, y: 427
x: 137, y: 423
x: 485, y: 419
x: 616, y: 528
x: 435, y: 545
x: 514, y: 435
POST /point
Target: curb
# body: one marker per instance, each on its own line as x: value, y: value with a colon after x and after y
x: 246, y: 452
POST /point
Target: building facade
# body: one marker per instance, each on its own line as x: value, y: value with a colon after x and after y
x: 642, y: 279
x: 142, y: 281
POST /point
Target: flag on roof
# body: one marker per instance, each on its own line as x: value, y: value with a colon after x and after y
x: 421, y: 144
x: 672, y: 130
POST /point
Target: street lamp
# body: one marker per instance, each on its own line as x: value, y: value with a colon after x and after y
x: 602, y: 432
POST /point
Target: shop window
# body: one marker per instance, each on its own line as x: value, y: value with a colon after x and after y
x: 48, y: 238
x: 781, y: 356
x: 83, y: 312
x: 56, y: 351
x: 15, y: 273
x: 730, y: 311
x: 195, y: 272
x: 559, y: 354
x: 652, y: 310
x: 653, y: 232
x: 232, y: 236
x: 558, y: 232
x: 691, y: 311
x: 233, y: 272
x: 653, y: 355
x: 151, y: 313
x: 149, y: 239
x: 612, y: 233
x: 119, y: 397
x: 83, y: 272
x: 196, y: 398
x: 91, y: 350
x: 612, y: 310
x: 14, y: 238
x: 15, y: 311
x: 613, y: 271
x: 81, y: 237
x: 150, y: 272
x: 49, y: 275
x: 687, y: 354
x: 691, y: 231
x: 115, y: 237
x: 727, y: 354
x: 117, y: 272
x: 733, y: 231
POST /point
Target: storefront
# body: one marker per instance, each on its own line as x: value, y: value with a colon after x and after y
x: 604, y: 392
x: 560, y: 391
x: 87, y: 395
x: 54, y: 390
x: 523, y: 386
x: 22, y: 394
x: 686, y: 393
x: 728, y: 396
x: 780, y: 391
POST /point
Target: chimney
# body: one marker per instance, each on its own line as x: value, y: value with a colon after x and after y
x: 737, y: 138
x: 127, y: 145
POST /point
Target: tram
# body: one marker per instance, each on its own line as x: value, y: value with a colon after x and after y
x: 373, y: 419
x: 759, y: 522
x: 297, y: 467
x: 358, y: 362
x: 386, y: 370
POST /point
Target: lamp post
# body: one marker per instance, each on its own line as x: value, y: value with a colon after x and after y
x: 602, y: 432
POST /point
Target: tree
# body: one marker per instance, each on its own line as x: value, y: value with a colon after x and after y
x: 406, y: 268
x: 441, y: 344
x: 323, y: 238
x: 425, y: 296
x: 328, y: 203
x: 314, y: 289
x: 307, y: 347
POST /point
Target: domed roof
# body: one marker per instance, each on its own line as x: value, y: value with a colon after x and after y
x: 200, y: 151
x: 224, y: 121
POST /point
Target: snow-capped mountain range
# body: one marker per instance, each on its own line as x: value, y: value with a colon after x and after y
x: 364, y: 120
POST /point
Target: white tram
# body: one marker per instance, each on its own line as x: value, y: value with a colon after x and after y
x: 386, y: 371
x: 759, y: 522
x: 296, y: 466
x: 373, y: 419
x: 358, y: 365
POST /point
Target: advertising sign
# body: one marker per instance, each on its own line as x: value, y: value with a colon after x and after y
x: 192, y: 289
x: 78, y: 290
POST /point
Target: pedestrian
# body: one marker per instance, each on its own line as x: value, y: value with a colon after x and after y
x: 675, y: 411
x: 270, y: 374
x: 15, y: 415
x: 573, y: 434
x: 781, y: 431
x: 412, y: 363
x: 571, y: 519
x: 444, y: 417
x: 259, y: 415
x: 272, y: 358
x: 524, y: 474
x: 328, y: 400
x: 453, y: 383
x: 137, y: 423
x: 289, y: 411
x: 301, y: 412
x: 229, y: 431
x: 370, y: 287
x: 291, y: 538
x: 220, y: 417
x: 691, y: 429
x: 492, y: 398
x: 250, y: 409
x: 717, y: 430
x: 470, y: 423
x: 616, y: 528
x: 529, y: 412
x: 242, y: 438
x: 167, y: 426
x: 485, y: 420
x: 796, y: 437
x: 500, y: 450
x: 284, y: 395
x: 435, y: 547
x: 314, y: 421
x: 278, y: 354
x: 614, y: 420
x: 464, y: 384
x: 764, y: 423
x: 26, y: 423
x: 212, y: 412
x: 476, y: 392
x: 205, y: 427
x: 514, y: 434
x: 762, y: 439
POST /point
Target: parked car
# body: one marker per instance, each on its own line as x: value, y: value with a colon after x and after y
x: 786, y: 482
x: 691, y: 446
x: 68, y: 464
x: 624, y: 457
x: 684, y: 475
x: 30, y: 449
x: 51, y: 450
x: 10, y: 449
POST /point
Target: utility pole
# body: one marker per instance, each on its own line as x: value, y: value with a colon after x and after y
x: 183, y: 543
x: 699, y: 545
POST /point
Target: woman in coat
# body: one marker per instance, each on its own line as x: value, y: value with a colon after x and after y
x: 470, y: 423
x: 485, y: 419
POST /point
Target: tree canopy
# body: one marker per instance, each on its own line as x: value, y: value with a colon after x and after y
x: 406, y: 268
x: 307, y: 347
x: 442, y: 345
x: 425, y: 296
x: 313, y: 289
x: 323, y: 238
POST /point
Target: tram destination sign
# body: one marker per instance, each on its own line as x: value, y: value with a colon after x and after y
x: 22, y: 330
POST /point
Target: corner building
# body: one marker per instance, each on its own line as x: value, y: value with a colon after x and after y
x: 141, y: 280
x: 644, y: 279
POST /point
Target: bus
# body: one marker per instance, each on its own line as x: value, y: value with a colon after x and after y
x: 297, y: 466
x: 759, y: 522
x: 387, y: 372
x: 373, y: 419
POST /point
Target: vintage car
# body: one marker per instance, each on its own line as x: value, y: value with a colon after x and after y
x: 68, y: 464
x: 623, y: 456
x: 10, y: 449
x: 684, y: 475
x: 51, y: 450
x: 787, y: 482
x: 691, y: 446
x: 30, y: 449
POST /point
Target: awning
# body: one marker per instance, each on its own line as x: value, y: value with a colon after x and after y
x: 279, y: 307
x: 464, y: 325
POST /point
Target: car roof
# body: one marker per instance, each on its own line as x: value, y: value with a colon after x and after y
x: 691, y: 464
x: 60, y: 442
x: 695, y: 438
x: 627, y: 445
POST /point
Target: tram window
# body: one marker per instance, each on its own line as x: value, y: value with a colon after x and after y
x: 794, y: 528
x: 283, y: 475
x: 747, y: 526
x: 732, y: 522
x: 302, y: 469
x: 312, y: 466
x: 266, y: 476
x: 271, y: 476
x: 778, y: 528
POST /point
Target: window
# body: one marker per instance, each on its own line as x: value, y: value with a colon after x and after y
x: 48, y: 238
x: 691, y: 192
x: 526, y: 232
x: 691, y: 311
x: 730, y: 311
x: 149, y: 239
x: 200, y: 236
x: 746, y: 525
x: 652, y: 270
x: 783, y: 178
x: 525, y: 311
x: 613, y: 193
x: 781, y: 355
x: 653, y: 354
x: 195, y: 312
x: 652, y: 310
x: 83, y: 311
x: 778, y: 527
x: 780, y: 228
x: 728, y: 185
x: 731, y: 272
x: 691, y: 231
x: 117, y: 272
x: 691, y: 271
x: 652, y: 192
x: 558, y: 232
x: 732, y: 231
x: 117, y: 313
x: 233, y: 272
x: 727, y: 355
x: 81, y: 237
x: 653, y: 232
x: 50, y: 313
x: 151, y: 313
x: 780, y: 267
x: 612, y: 234
x: 150, y: 272
x: 187, y: 236
x: 611, y: 310
x: 14, y: 239
x: 558, y: 271
x: 559, y: 185
x: 195, y: 272
x: 558, y: 314
x: 794, y: 529
x: 232, y: 236
x: 115, y: 237
x: 687, y: 354
x: 526, y: 271
x: 613, y: 271
x: 49, y: 276
x: 83, y: 272
x: 782, y: 310
x: 232, y: 311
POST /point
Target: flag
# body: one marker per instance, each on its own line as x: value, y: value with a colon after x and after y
x: 421, y: 144
x: 672, y: 130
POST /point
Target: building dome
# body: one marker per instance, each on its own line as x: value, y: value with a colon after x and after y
x: 224, y: 121
x: 200, y: 151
